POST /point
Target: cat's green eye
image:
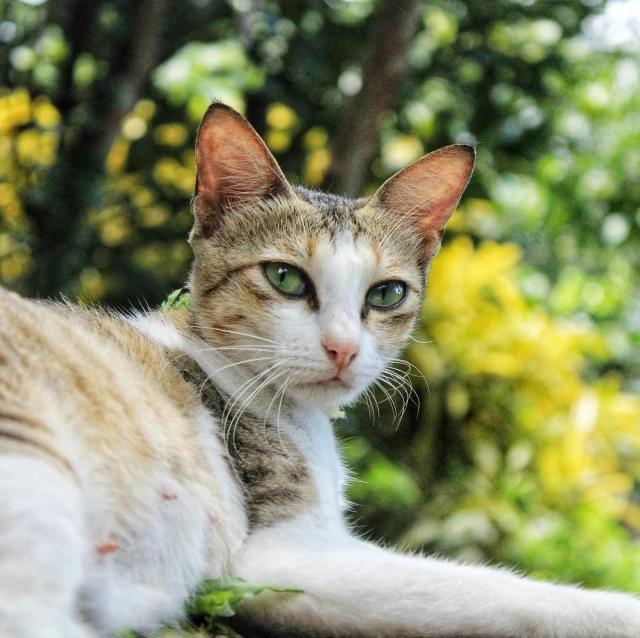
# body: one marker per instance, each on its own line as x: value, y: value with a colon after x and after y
x: 286, y: 278
x: 386, y: 294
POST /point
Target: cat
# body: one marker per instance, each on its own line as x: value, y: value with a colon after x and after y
x: 143, y: 453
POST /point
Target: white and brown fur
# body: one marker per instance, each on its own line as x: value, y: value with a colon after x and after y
x: 140, y: 455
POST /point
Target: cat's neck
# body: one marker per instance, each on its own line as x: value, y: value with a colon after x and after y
x: 284, y: 453
x: 242, y: 390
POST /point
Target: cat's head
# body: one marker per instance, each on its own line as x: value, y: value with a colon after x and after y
x: 315, y: 293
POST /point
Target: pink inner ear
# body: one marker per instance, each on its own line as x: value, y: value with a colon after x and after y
x: 234, y: 165
x: 429, y: 190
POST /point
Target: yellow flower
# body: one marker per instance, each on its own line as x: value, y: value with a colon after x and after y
x: 171, y: 134
x: 45, y: 114
x: 281, y: 117
x: 278, y: 141
x: 484, y: 330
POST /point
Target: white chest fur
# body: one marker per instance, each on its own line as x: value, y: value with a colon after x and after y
x: 309, y: 430
x: 312, y: 433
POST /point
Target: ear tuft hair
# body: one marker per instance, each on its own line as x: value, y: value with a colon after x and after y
x: 429, y: 190
x: 234, y: 166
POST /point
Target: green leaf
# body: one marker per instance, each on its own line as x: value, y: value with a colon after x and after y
x: 226, y: 610
x: 179, y: 299
x: 224, y: 630
x: 219, y: 597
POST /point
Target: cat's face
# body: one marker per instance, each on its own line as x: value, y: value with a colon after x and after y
x: 312, y: 294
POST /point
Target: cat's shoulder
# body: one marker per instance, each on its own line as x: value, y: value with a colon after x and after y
x: 140, y: 345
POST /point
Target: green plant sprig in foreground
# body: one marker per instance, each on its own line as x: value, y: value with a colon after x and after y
x: 216, y: 599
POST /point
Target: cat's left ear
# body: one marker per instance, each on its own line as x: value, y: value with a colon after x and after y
x: 429, y: 190
x: 234, y: 167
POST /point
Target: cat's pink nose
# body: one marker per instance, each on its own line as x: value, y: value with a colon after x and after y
x: 341, y: 353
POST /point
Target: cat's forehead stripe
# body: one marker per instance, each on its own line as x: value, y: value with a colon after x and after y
x: 334, y: 213
x: 328, y: 201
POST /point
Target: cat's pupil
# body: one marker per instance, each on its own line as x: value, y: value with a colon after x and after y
x: 387, y: 294
x: 287, y: 279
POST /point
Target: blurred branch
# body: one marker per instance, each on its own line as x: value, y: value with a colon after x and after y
x: 141, y: 57
x: 73, y: 185
x: 77, y: 21
x: 246, y: 20
x: 385, y: 67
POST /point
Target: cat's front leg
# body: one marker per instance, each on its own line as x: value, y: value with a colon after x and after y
x: 355, y: 589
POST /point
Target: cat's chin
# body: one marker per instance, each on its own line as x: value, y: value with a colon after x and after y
x: 324, y: 394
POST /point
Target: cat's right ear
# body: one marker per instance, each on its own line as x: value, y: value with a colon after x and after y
x: 234, y: 167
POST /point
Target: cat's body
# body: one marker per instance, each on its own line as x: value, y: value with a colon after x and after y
x: 133, y: 424
x: 140, y: 455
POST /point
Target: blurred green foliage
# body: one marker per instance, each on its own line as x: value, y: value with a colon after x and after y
x: 521, y: 442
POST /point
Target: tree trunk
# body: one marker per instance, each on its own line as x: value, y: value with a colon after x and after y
x: 58, y: 207
x: 140, y: 60
x: 384, y: 68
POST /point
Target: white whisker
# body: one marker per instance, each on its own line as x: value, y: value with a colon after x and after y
x: 241, y: 334
x: 286, y: 383
x: 238, y: 415
x: 228, y: 411
x: 232, y: 365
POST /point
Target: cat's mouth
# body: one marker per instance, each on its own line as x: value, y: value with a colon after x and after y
x: 332, y: 382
